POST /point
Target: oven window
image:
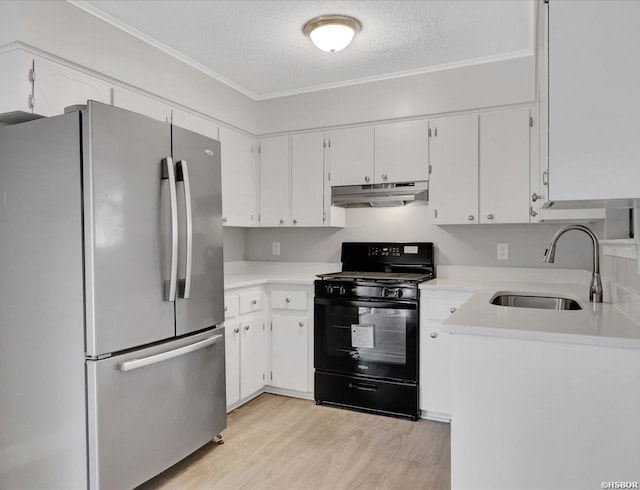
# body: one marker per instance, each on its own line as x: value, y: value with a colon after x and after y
x: 379, y: 336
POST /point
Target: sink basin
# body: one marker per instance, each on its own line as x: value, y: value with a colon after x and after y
x: 535, y: 301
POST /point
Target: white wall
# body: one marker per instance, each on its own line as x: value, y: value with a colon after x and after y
x: 72, y: 34
x: 457, y: 245
x: 472, y: 87
x: 234, y: 244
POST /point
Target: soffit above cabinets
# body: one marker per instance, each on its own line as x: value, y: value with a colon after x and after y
x: 258, y: 48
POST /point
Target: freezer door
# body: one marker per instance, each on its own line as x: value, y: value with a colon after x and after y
x: 128, y: 213
x: 150, y: 408
x: 199, y: 302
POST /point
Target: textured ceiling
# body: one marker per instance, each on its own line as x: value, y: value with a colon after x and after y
x: 258, y: 46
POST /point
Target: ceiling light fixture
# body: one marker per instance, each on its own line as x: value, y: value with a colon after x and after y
x: 332, y: 33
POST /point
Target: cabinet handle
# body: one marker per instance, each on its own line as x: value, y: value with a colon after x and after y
x: 535, y: 197
x: 224, y: 220
x: 489, y: 216
x: 452, y: 310
x: 470, y: 217
x: 532, y: 212
x: 435, y: 213
x: 295, y: 221
x: 433, y: 335
x: 247, y: 327
x: 282, y: 222
x: 366, y: 178
x: 225, y: 308
x: 435, y: 132
x: 254, y: 301
x: 287, y: 300
x: 236, y: 330
x: 301, y: 324
x: 384, y: 176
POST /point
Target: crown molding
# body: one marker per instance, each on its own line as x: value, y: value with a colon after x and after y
x: 158, y: 45
x: 399, y: 74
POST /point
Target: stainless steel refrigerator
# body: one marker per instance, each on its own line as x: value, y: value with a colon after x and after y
x: 111, y: 299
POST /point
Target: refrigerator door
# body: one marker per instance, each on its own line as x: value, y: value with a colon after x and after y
x: 42, y: 383
x: 151, y: 408
x: 199, y: 302
x: 127, y: 212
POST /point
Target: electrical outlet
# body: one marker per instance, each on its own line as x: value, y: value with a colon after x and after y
x: 275, y: 248
x: 503, y: 251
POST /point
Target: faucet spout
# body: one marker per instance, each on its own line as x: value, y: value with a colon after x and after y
x: 595, y: 288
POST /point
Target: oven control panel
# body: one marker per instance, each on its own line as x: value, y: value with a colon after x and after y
x: 385, y: 251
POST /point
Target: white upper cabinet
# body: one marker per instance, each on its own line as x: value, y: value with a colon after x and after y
x: 307, y: 179
x: 142, y: 104
x: 351, y: 156
x: 504, y: 166
x: 402, y: 152
x: 57, y: 86
x: 197, y: 124
x: 594, y: 100
x: 239, y: 178
x: 32, y: 84
x: 453, y: 187
x: 274, y: 181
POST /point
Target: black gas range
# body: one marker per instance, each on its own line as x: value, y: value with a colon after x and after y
x: 366, y: 328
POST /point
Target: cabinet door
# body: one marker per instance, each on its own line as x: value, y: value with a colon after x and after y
x: 274, y: 181
x: 289, y: 352
x: 594, y: 100
x: 307, y: 179
x: 194, y: 123
x: 351, y: 156
x: 239, y: 178
x: 232, y: 361
x: 142, y: 104
x: 453, y: 187
x: 402, y: 152
x: 504, y: 166
x: 16, y: 88
x: 435, y: 393
x: 57, y: 87
x: 253, y: 356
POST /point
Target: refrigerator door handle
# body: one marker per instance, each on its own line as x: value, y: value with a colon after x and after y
x: 183, y: 176
x: 180, y: 351
x: 168, y: 172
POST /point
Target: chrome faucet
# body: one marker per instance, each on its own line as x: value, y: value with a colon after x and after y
x: 595, y: 288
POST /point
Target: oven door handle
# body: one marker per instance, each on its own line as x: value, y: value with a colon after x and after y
x: 372, y: 303
x: 363, y: 387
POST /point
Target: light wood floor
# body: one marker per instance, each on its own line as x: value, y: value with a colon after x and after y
x: 275, y: 442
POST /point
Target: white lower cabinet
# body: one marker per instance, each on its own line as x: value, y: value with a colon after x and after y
x: 232, y: 361
x: 291, y: 338
x: 253, y: 355
x: 435, y: 351
x: 246, y: 345
x: 289, y: 352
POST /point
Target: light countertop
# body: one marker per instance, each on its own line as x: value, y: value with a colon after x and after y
x: 254, y: 273
x: 614, y: 323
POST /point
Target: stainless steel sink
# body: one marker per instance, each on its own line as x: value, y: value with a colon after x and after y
x: 535, y: 301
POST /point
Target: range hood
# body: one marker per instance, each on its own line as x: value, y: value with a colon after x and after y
x: 379, y: 195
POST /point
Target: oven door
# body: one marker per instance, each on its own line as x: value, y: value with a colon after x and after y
x: 374, y: 338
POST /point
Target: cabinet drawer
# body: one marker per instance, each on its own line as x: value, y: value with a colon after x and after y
x: 231, y: 306
x: 441, y: 307
x: 250, y: 302
x: 288, y: 300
